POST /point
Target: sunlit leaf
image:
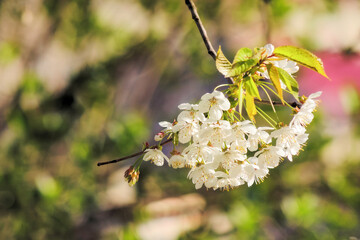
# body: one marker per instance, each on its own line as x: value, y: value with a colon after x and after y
x: 301, y: 56
x: 242, y: 55
x: 222, y: 63
x: 289, y: 81
x: 241, y: 97
x: 241, y: 67
x: 250, y: 106
x: 251, y: 87
x: 275, y: 79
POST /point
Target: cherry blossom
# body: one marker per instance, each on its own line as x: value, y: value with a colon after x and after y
x: 156, y: 156
x: 214, y: 103
x: 224, y: 153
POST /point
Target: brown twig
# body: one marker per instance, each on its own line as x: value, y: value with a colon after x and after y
x: 201, y: 28
x: 134, y: 154
x: 293, y: 104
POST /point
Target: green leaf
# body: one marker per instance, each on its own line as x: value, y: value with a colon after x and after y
x: 251, y: 88
x: 222, y: 63
x: 301, y: 56
x: 289, y: 81
x: 241, y: 97
x: 242, y: 55
x: 275, y: 79
x: 241, y: 67
x: 250, y: 106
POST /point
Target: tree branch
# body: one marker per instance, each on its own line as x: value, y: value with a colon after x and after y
x: 134, y: 154
x: 201, y: 28
x: 293, y: 104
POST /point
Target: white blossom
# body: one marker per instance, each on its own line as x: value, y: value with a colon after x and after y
x: 240, y: 145
x: 269, y: 49
x: 187, y: 130
x: 311, y: 102
x: 203, y: 175
x: 177, y: 161
x: 156, y: 156
x: 227, y: 182
x: 196, y: 153
x: 229, y: 158
x: 305, y: 115
x: 269, y: 157
x: 167, y: 125
x: 253, y: 173
x: 242, y: 129
x: 259, y: 136
x: 215, y: 133
x: 289, y: 66
x: 289, y: 141
x: 300, y: 120
x: 159, y: 136
x: 191, y: 113
x: 214, y: 103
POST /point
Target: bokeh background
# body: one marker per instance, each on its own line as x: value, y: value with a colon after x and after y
x: 83, y: 81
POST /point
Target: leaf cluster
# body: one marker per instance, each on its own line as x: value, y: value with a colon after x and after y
x: 248, y: 69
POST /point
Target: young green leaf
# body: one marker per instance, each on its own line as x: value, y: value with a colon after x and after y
x: 250, y: 106
x: 222, y: 63
x: 289, y: 81
x: 251, y: 88
x: 242, y: 55
x: 241, y: 67
x: 301, y: 56
x: 275, y: 79
x: 241, y: 98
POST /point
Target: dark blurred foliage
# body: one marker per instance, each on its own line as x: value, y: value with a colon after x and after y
x: 84, y: 81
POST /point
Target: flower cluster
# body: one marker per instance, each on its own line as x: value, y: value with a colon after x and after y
x: 223, y: 152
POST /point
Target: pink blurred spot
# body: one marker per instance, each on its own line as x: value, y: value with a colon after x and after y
x: 343, y: 71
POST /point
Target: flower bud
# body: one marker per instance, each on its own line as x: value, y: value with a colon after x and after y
x: 146, y: 145
x: 131, y: 176
x: 159, y: 136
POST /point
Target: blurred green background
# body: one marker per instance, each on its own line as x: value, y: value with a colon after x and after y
x: 83, y: 81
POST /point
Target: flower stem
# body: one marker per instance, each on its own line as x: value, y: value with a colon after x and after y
x: 133, y: 155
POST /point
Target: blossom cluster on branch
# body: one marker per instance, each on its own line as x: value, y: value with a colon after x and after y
x: 223, y: 152
x: 219, y: 142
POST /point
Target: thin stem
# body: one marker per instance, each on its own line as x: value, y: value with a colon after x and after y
x: 270, y: 100
x: 278, y: 96
x: 292, y: 104
x: 265, y: 118
x: 200, y: 26
x: 133, y: 155
x: 266, y: 115
x: 222, y: 85
x: 272, y: 105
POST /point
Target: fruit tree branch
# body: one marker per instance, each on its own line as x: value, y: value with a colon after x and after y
x: 201, y: 28
x: 134, y: 154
